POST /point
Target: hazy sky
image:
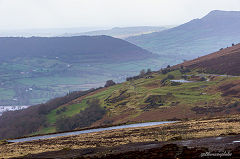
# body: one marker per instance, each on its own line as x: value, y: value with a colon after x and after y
x: 19, y: 14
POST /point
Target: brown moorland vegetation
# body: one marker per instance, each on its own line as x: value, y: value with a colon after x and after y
x: 184, y: 132
x: 224, y: 61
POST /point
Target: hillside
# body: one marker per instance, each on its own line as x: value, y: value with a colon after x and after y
x: 37, y: 69
x: 196, y: 38
x: 225, y: 61
x: 179, y: 93
x: 72, y: 49
x: 122, y: 32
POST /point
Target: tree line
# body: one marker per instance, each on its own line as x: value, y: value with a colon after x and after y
x: 27, y: 121
x: 84, y: 119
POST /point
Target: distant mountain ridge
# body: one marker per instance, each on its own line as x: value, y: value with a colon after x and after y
x: 123, y: 32
x: 72, y: 49
x: 196, y: 38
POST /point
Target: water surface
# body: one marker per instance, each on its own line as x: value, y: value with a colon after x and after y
x: 89, y: 131
x: 181, y: 81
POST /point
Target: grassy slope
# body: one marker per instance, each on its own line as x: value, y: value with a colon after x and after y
x: 177, y: 101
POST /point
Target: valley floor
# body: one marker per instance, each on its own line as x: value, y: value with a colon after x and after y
x: 214, y: 134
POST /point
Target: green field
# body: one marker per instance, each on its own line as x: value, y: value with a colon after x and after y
x: 50, y: 78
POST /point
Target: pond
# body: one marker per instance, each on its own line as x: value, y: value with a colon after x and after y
x: 181, y: 81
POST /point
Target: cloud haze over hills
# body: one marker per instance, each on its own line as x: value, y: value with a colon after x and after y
x: 17, y: 14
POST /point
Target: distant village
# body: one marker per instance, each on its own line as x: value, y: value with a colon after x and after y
x: 11, y: 108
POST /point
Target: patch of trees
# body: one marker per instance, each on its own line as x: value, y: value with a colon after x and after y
x: 148, y: 73
x: 165, y: 70
x: 184, y: 70
x: 132, y: 78
x: 24, y: 122
x: 84, y: 119
x: 54, y: 103
x: 109, y: 83
x: 143, y: 73
x: 168, y: 69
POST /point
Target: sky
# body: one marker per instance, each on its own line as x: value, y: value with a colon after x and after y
x: 33, y: 14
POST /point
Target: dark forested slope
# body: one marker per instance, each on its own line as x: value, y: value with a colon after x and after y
x: 72, y: 49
